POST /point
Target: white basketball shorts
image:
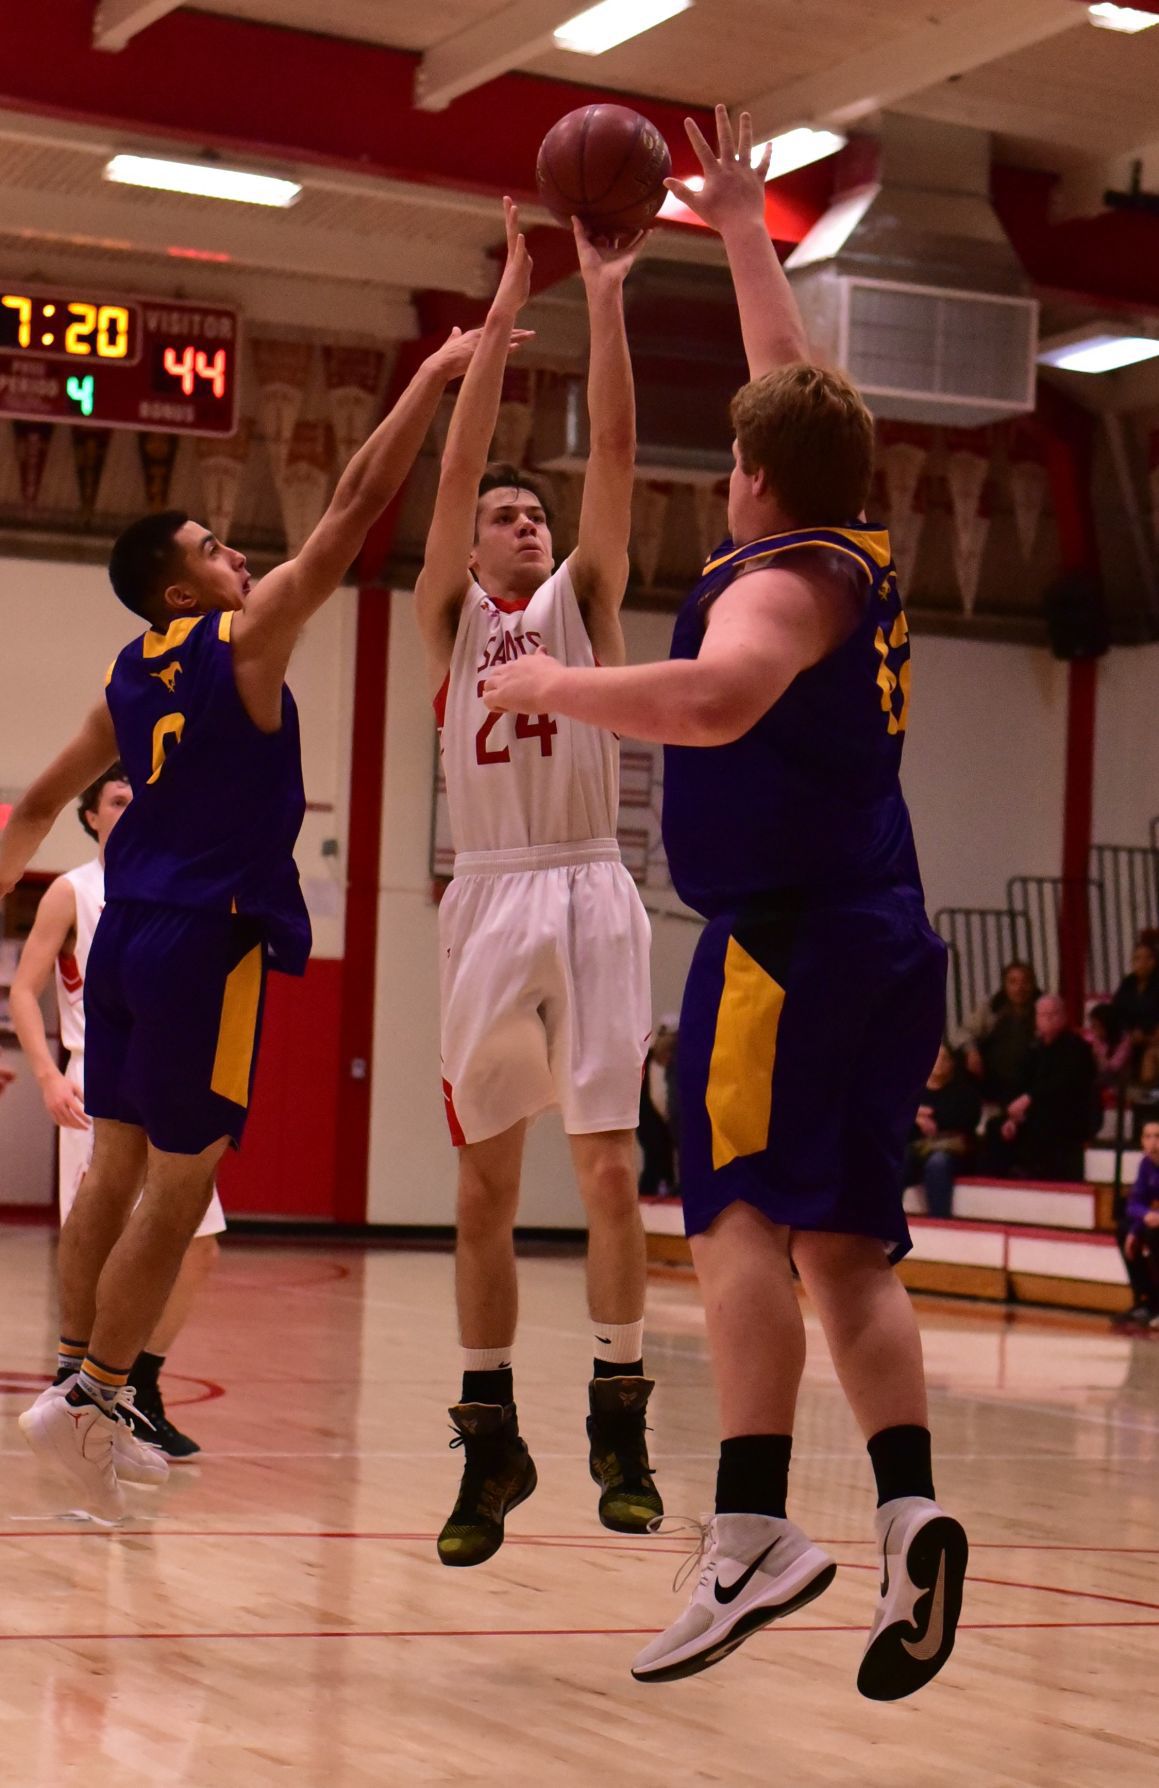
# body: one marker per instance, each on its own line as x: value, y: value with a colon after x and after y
x: 546, y: 996
x: 75, y: 1152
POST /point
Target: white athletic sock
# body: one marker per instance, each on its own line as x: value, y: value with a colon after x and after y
x: 619, y: 1343
x: 486, y: 1359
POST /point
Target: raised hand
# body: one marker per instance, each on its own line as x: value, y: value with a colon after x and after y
x: 601, y: 263
x: 733, y: 190
x: 515, y: 283
x: 456, y: 354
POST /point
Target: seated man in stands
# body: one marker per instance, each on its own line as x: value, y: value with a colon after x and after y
x: 1002, y: 1034
x: 1139, y: 1232
x: 1043, y: 1131
x: 943, y: 1139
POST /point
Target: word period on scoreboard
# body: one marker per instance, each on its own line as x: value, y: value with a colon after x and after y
x: 85, y: 356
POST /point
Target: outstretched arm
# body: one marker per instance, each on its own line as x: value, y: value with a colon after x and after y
x: 599, y: 564
x: 34, y: 815
x: 443, y: 580
x: 732, y: 201
x: 265, y: 632
x: 762, y: 632
x: 54, y: 924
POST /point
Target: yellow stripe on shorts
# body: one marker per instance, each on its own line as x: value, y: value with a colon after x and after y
x: 740, y: 1074
x: 237, y: 1031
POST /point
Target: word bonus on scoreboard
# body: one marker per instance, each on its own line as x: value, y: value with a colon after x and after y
x: 148, y: 363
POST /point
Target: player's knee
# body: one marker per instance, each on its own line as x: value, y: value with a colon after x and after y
x: 203, y: 1254
x: 484, y: 1207
x: 609, y: 1188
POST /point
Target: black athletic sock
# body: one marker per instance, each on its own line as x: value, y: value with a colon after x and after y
x: 497, y: 1386
x: 146, y: 1371
x: 753, y: 1475
x: 616, y: 1369
x: 901, y: 1463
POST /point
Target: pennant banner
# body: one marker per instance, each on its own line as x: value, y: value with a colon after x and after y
x: 516, y: 414
x: 33, y: 440
x: 304, y: 486
x: 649, y: 513
x: 710, y: 517
x: 90, y: 449
x: 354, y: 378
x: 1026, y: 457
x: 222, y: 465
x: 902, y: 455
x: 158, y: 457
x: 282, y: 369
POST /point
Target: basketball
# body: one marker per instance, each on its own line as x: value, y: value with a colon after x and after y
x: 607, y: 166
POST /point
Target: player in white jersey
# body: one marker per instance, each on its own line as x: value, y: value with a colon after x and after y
x: 58, y: 946
x: 545, y: 943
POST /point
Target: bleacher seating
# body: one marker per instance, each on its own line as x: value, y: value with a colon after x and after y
x: 1017, y: 1241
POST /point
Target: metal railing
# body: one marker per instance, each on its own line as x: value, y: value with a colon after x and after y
x: 981, y: 940
x: 1061, y: 915
x: 1129, y: 877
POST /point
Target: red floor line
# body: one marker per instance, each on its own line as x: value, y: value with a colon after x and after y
x: 653, y: 1547
x: 979, y: 1626
x: 1047, y: 1589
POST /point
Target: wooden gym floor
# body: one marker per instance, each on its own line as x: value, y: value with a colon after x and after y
x: 278, y: 1615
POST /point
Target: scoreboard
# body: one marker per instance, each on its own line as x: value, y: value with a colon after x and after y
x: 91, y: 357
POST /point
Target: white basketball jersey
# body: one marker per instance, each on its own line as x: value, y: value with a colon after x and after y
x: 88, y: 886
x: 518, y: 780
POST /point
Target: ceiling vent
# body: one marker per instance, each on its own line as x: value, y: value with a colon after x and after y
x: 910, y: 284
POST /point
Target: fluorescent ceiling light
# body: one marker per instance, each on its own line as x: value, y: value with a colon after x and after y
x: 792, y: 149
x: 613, y: 22
x: 1097, y: 351
x: 797, y: 148
x: 1121, y: 18
x: 203, y: 179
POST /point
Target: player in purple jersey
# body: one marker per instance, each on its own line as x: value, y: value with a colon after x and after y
x: 202, y: 897
x: 815, y: 1000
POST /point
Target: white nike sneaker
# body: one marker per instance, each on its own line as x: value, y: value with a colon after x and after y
x: 756, y: 1568
x: 924, y: 1553
x: 136, y: 1462
x: 80, y: 1439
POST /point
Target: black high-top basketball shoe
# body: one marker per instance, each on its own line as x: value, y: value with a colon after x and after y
x: 156, y: 1430
x: 498, y: 1474
x: 629, y: 1499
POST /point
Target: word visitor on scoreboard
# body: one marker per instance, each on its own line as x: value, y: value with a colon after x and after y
x: 118, y: 362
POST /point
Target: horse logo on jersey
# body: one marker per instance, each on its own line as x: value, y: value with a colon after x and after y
x: 168, y: 676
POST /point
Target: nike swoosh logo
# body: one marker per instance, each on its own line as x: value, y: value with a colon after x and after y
x: 730, y: 1594
x: 885, y: 1561
x: 922, y: 1650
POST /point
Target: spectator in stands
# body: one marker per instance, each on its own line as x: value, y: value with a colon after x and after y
x: 944, y: 1133
x: 1136, y: 1008
x: 1002, y: 1035
x: 1043, y: 1131
x: 1139, y: 1232
x: 656, y: 1133
x: 1110, y: 1044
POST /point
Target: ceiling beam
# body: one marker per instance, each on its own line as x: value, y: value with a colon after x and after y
x: 847, y: 91
x: 117, y: 22
x: 475, y: 55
